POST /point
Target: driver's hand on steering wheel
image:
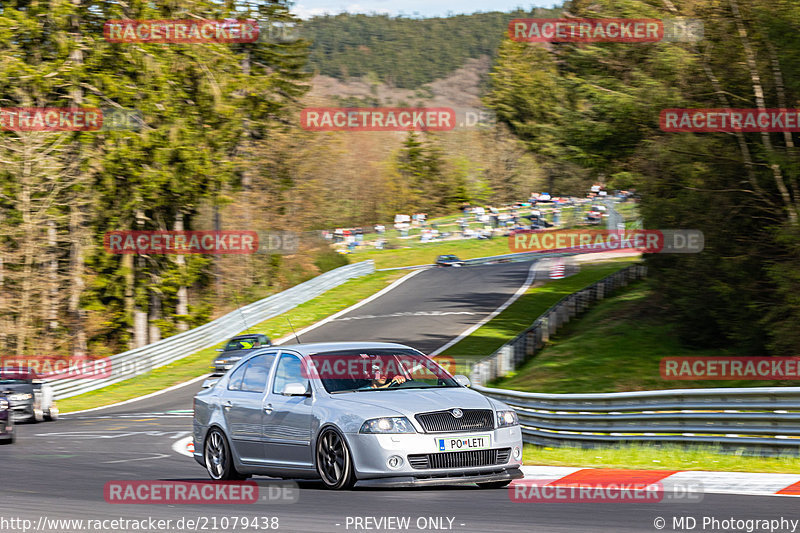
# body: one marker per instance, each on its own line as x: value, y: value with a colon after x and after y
x: 397, y: 380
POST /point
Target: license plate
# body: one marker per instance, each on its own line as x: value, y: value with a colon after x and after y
x: 473, y: 442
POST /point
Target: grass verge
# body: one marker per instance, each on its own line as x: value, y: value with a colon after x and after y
x: 616, y: 346
x: 527, y: 308
x: 417, y: 253
x: 659, y: 458
x: 198, y: 363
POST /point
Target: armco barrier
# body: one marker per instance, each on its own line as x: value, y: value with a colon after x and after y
x: 765, y: 417
x: 134, y: 362
x: 526, y: 344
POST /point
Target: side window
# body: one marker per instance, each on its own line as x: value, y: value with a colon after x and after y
x: 255, y: 377
x: 290, y: 370
x: 235, y: 381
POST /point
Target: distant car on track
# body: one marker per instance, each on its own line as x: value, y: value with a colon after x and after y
x: 376, y: 414
x: 449, y: 261
x: 236, y: 348
x: 30, y: 398
x: 7, y: 433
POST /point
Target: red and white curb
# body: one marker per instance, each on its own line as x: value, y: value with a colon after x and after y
x: 745, y: 483
x: 184, y: 446
x: 557, y: 271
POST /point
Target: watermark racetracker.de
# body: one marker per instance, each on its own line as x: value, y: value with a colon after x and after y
x: 198, y: 31
x: 597, y: 240
x: 607, y: 491
x: 168, y: 492
x: 69, y: 119
x: 619, y: 30
x: 378, y: 119
x: 729, y: 120
x: 200, y: 242
x: 730, y: 368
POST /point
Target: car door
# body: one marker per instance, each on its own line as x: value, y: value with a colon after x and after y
x: 288, y: 419
x: 243, y: 407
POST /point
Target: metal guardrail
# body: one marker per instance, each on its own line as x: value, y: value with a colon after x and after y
x: 135, y: 362
x: 767, y: 417
x: 526, y: 344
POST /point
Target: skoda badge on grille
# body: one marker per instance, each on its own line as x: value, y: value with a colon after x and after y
x: 457, y: 413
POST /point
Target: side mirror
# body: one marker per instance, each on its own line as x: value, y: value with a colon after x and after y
x: 207, y: 384
x: 463, y: 380
x: 295, y: 389
x: 220, y: 350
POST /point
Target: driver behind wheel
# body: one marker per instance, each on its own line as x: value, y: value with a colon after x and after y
x: 381, y: 380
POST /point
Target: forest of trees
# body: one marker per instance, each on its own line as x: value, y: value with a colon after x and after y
x: 596, y: 107
x: 404, y: 52
x: 207, y: 110
x: 220, y: 148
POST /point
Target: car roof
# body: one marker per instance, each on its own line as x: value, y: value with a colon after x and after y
x: 318, y: 347
x: 245, y: 336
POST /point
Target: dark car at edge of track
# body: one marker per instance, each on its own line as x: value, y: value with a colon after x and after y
x: 7, y: 432
x: 449, y: 261
x: 236, y: 348
x: 30, y: 397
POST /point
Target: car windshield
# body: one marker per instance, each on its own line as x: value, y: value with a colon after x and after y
x: 241, y: 344
x: 377, y: 370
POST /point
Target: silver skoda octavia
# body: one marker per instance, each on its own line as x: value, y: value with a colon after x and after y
x: 345, y: 413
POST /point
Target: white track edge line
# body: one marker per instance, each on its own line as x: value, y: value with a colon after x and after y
x: 514, y: 297
x: 356, y: 305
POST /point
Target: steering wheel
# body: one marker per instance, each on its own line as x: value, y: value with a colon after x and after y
x: 396, y: 384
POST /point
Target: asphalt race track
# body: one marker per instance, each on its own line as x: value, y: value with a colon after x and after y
x: 59, y: 470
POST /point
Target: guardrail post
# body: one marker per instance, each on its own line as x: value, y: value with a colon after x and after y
x: 506, y: 360
x: 530, y: 342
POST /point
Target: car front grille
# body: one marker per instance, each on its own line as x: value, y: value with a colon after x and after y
x: 459, y: 459
x: 444, y: 421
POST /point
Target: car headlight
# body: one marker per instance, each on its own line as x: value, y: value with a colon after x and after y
x: 20, y: 396
x: 3, y: 405
x: 394, y: 424
x: 507, y: 418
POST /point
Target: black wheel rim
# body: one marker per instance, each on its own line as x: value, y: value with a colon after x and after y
x: 331, y: 458
x: 215, y: 455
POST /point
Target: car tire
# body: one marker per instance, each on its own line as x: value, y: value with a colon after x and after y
x: 52, y: 414
x: 334, y: 461
x: 218, y: 459
x: 494, y: 484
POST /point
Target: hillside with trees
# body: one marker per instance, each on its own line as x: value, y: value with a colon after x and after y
x: 595, y: 108
x: 405, y: 52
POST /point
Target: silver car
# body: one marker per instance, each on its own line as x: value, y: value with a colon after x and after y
x: 345, y: 413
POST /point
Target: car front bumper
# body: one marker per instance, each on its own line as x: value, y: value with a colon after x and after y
x: 21, y: 411
x: 460, y: 478
x: 371, y: 453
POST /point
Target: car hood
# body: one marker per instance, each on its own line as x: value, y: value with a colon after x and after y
x: 412, y: 401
